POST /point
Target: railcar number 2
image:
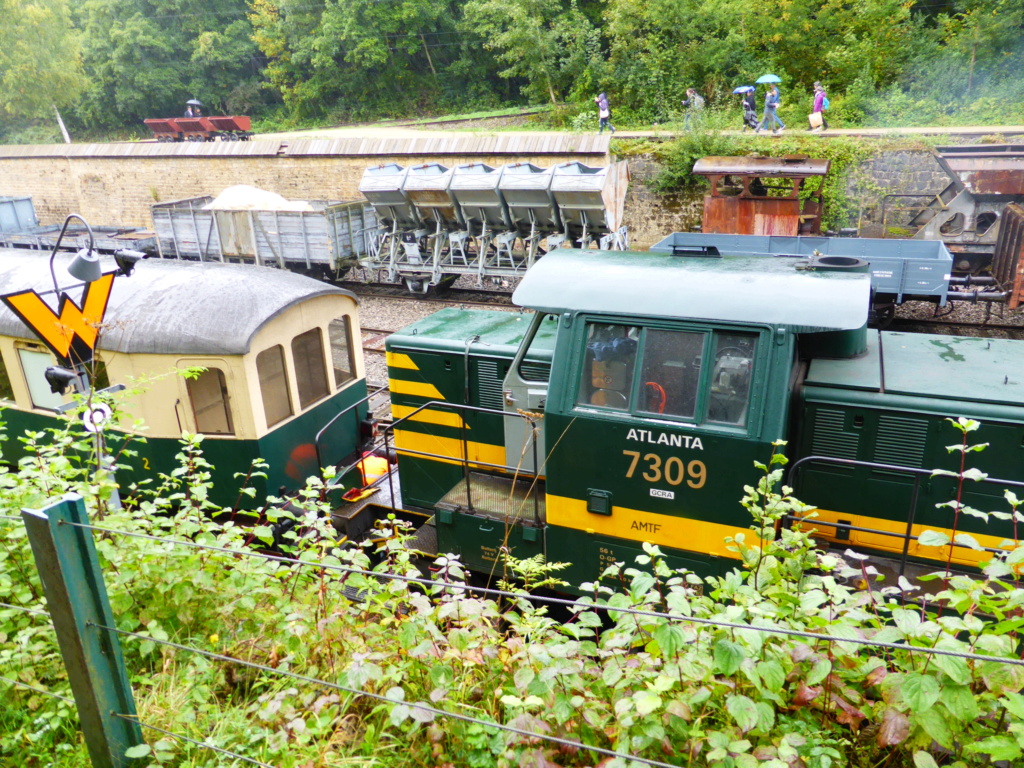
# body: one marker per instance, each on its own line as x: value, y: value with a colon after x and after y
x: 672, y: 470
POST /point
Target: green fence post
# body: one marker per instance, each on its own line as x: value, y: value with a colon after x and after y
x: 77, y: 598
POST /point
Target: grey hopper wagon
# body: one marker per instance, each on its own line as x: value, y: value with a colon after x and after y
x: 20, y: 228
x: 591, y: 201
x: 323, y: 242
x: 439, y: 223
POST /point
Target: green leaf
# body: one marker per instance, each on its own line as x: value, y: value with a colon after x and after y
x: 646, y: 702
x: 955, y: 667
x: 670, y: 638
x: 772, y: 675
x: 932, y: 539
x: 728, y: 656
x: 924, y: 760
x: 966, y: 540
x: 996, y: 747
x: 935, y: 724
x: 743, y: 711
x: 919, y: 691
x: 819, y: 671
x: 960, y: 701
x: 139, y: 750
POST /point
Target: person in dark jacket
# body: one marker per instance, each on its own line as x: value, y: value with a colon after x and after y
x: 749, y: 110
x: 604, y: 113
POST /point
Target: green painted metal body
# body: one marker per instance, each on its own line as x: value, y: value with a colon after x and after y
x: 77, y: 600
x: 464, y: 356
x: 892, y: 407
x: 288, y: 449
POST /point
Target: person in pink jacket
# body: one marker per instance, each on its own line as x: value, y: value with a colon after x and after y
x: 819, y: 107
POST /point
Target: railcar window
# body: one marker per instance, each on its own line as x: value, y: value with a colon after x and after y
x: 670, y: 372
x: 310, y: 371
x: 340, y: 333
x: 733, y: 365
x: 34, y: 364
x: 277, y: 400
x: 608, y: 367
x: 536, y: 371
x: 208, y: 394
x: 6, y: 391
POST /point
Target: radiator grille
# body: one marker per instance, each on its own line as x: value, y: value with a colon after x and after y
x: 535, y: 371
x: 830, y: 439
x: 901, y: 441
x: 488, y: 384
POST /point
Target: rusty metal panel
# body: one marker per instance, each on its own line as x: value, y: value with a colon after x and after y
x: 1008, y: 262
x: 988, y: 169
x: 796, y: 166
x: 738, y: 215
x: 775, y: 224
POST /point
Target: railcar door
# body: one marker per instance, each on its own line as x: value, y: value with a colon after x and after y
x: 525, y: 392
x: 653, y: 437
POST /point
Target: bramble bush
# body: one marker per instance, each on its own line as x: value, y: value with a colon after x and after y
x: 649, y: 663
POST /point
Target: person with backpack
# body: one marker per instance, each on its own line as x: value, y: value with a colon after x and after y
x: 694, y: 104
x: 749, y: 110
x: 820, y: 105
x: 604, y: 113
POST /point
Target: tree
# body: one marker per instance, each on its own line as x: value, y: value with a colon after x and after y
x: 40, y: 58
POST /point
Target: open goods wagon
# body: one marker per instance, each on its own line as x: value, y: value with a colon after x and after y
x: 325, y: 241
x: 20, y: 228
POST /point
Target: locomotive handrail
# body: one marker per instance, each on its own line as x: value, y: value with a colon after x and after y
x: 916, y: 472
x: 329, y: 424
x: 465, y: 453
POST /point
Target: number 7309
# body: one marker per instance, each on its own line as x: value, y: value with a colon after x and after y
x: 672, y: 470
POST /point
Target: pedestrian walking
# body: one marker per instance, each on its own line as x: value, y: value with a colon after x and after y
x: 694, y: 105
x: 604, y: 112
x: 818, y: 108
x: 771, y: 104
x: 749, y: 110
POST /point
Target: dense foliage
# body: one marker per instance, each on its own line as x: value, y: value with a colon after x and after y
x: 653, y: 663
x: 106, y: 64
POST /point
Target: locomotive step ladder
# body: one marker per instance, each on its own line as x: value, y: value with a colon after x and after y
x: 484, y: 515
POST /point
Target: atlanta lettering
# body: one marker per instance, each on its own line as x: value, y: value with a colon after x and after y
x: 660, y: 438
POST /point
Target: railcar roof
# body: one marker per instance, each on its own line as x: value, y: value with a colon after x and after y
x: 448, y: 330
x: 744, y: 289
x: 169, y: 307
x: 920, y: 364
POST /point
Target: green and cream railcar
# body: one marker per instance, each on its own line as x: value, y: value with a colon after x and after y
x: 280, y: 355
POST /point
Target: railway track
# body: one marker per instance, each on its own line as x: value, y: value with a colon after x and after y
x: 468, y: 297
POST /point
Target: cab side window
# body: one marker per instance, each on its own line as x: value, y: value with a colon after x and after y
x: 310, y: 371
x: 208, y: 394
x: 34, y: 364
x: 698, y: 376
x: 6, y: 390
x: 277, y: 401
x: 608, y: 370
x: 729, y: 395
x: 340, y: 332
x: 670, y: 373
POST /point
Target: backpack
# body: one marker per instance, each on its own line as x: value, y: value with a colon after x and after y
x: 824, y: 103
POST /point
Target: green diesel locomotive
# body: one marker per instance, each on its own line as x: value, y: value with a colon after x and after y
x: 630, y: 404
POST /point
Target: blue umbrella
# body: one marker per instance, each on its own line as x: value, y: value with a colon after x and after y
x: 768, y: 79
x: 743, y: 89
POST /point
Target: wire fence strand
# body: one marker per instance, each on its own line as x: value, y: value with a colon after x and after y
x: 202, y: 744
x: 380, y: 697
x: 10, y: 517
x: 51, y: 694
x: 33, y: 611
x: 578, y: 604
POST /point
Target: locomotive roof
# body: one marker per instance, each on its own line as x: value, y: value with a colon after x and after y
x: 499, y: 332
x: 948, y: 367
x: 744, y: 289
x: 169, y: 307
